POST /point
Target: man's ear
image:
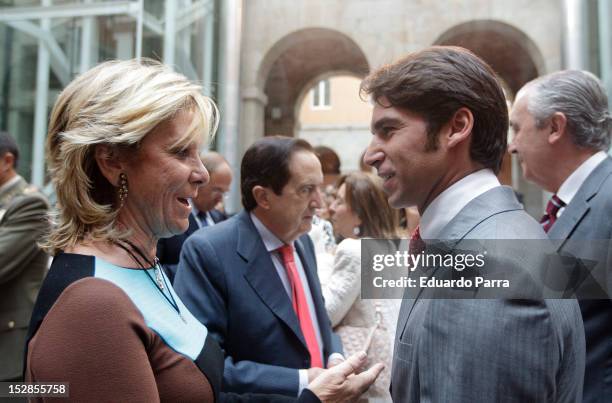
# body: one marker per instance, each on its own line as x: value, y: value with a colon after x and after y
x: 460, y: 127
x: 7, y: 161
x: 260, y: 194
x: 558, y: 125
x: 109, y: 162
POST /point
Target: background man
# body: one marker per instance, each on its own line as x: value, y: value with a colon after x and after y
x: 439, y: 128
x: 203, y: 211
x: 252, y: 279
x: 562, y: 130
x: 22, y: 264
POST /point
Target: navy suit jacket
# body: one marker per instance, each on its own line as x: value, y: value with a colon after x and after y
x: 228, y: 281
x: 588, y: 217
x: 169, y: 249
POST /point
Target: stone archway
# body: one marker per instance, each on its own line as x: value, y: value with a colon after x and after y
x: 517, y: 60
x: 294, y: 62
x: 511, y: 53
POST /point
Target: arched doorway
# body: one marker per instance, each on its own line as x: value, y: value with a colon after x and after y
x: 511, y: 53
x: 294, y: 63
x: 517, y: 60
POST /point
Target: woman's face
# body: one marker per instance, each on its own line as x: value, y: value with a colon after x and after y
x: 342, y: 217
x: 161, y: 180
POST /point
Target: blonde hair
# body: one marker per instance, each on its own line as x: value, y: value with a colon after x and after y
x: 116, y: 103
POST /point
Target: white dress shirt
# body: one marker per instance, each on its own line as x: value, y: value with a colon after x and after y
x: 450, y: 202
x: 572, y: 184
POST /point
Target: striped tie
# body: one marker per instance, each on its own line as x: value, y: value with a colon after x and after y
x: 552, y: 208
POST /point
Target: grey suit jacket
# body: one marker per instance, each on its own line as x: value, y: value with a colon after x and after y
x: 22, y: 268
x: 495, y: 350
x: 585, y: 230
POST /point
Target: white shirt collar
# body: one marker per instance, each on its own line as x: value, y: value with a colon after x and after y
x: 270, y: 240
x: 572, y: 184
x: 450, y: 202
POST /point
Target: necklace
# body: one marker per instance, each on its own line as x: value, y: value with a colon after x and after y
x: 159, y: 281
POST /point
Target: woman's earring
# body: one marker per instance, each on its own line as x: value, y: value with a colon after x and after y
x: 356, y: 231
x: 123, y: 188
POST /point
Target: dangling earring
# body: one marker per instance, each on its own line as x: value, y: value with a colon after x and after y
x: 123, y: 188
x: 356, y: 231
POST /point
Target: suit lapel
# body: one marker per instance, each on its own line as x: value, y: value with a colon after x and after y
x: 579, y: 206
x: 310, y: 266
x: 569, y: 220
x: 494, y: 201
x: 262, y: 276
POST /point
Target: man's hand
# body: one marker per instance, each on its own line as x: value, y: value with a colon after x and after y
x: 339, y: 384
x: 335, y: 361
x: 313, y: 373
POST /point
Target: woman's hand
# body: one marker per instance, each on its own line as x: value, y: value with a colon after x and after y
x: 340, y: 384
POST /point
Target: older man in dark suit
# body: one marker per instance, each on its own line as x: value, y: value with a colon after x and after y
x: 252, y: 279
x: 203, y: 213
x: 22, y: 264
x: 562, y: 129
x: 439, y: 128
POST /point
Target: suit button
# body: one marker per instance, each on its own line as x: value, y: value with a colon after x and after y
x: 11, y: 324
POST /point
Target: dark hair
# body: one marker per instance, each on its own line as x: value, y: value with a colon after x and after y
x: 330, y: 162
x: 266, y: 163
x: 365, y: 197
x: 9, y: 145
x: 435, y: 83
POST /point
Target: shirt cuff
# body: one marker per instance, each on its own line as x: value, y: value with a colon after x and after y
x: 303, y: 380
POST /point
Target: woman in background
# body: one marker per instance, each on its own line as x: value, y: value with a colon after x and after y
x: 123, y: 154
x: 359, y: 211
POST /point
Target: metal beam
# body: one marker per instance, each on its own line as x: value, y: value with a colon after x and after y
x: 229, y: 94
x: 88, y: 27
x: 153, y: 23
x: 196, y: 11
x: 60, y: 64
x: 605, y: 41
x: 170, y: 32
x: 68, y: 10
x: 139, y: 28
x: 41, y: 106
x: 575, y: 30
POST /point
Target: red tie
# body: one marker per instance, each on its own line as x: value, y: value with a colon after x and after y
x: 417, y: 245
x: 552, y: 208
x: 300, y: 306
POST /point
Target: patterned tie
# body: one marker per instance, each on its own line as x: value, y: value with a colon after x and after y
x: 552, y: 208
x: 300, y: 305
x: 417, y: 245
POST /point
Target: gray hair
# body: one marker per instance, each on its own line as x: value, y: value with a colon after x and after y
x: 581, y: 97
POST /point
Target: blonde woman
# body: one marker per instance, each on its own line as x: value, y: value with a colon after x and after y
x: 123, y: 153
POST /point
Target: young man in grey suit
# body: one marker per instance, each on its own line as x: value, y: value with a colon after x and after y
x: 22, y: 264
x: 439, y: 128
x: 562, y: 130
